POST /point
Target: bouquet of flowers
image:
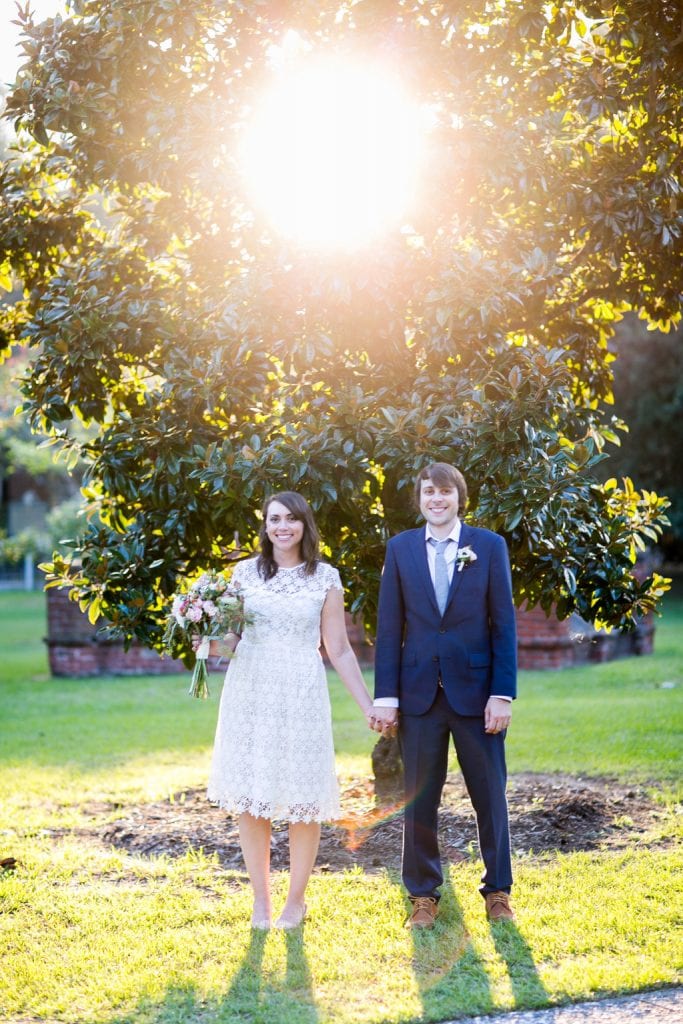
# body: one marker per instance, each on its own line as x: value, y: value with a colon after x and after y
x: 209, y: 607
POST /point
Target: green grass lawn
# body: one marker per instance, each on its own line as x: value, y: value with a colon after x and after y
x: 91, y: 934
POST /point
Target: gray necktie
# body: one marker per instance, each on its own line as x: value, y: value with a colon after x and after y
x: 441, y: 584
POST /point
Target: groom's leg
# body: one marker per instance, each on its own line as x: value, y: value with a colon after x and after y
x: 424, y: 743
x: 482, y: 759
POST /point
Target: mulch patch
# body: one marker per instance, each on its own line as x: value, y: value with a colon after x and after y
x: 547, y: 813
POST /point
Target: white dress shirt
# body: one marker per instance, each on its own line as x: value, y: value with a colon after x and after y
x: 449, y: 554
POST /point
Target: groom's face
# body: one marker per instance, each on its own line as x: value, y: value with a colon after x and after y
x: 439, y: 505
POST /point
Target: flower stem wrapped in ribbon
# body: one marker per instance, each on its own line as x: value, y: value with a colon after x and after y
x: 209, y: 608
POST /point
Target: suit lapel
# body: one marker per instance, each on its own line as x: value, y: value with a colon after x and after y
x: 419, y: 552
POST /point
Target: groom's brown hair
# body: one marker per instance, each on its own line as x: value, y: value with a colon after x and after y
x: 442, y: 475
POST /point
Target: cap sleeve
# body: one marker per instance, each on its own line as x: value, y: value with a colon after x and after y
x: 330, y: 578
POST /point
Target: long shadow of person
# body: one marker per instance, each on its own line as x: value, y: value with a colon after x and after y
x: 258, y: 992
x: 259, y: 998
x: 298, y: 977
x: 528, y: 990
x: 245, y: 989
x: 450, y: 974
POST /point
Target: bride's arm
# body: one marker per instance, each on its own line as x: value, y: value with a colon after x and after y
x: 340, y: 652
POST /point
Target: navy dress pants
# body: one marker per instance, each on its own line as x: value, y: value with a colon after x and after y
x: 424, y: 741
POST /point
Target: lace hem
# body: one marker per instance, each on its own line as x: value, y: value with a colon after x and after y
x: 304, y: 813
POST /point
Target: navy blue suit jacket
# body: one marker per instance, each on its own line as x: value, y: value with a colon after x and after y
x: 473, y: 646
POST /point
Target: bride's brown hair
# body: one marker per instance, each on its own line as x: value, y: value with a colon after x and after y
x: 310, y: 541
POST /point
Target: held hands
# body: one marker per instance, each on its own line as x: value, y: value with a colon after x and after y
x: 497, y: 715
x: 383, y: 720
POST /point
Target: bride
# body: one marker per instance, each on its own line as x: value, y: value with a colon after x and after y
x: 273, y: 755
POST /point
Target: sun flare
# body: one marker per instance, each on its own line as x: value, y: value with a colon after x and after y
x: 332, y: 153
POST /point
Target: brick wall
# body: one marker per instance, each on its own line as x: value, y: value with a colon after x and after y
x: 76, y: 649
x: 545, y: 642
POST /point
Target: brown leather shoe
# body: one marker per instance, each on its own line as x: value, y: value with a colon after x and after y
x: 498, y: 907
x: 423, y: 913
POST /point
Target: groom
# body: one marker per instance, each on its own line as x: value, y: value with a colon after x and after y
x: 446, y: 660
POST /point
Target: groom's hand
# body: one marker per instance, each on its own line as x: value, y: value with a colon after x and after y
x: 497, y: 715
x: 385, y: 720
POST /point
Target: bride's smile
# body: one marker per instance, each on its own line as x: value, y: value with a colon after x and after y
x: 285, y: 533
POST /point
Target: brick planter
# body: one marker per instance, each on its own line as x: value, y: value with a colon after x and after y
x: 545, y: 642
x: 542, y: 641
x: 75, y: 647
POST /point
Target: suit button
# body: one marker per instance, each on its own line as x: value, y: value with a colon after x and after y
x: 435, y: 658
x: 442, y: 631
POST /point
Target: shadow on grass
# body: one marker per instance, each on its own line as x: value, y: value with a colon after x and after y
x: 254, y: 998
x: 528, y: 990
x: 255, y: 994
x: 452, y: 976
x: 298, y: 977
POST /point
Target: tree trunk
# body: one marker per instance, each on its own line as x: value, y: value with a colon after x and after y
x: 387, y: 766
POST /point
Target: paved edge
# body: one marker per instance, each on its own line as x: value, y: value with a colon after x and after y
x: 654, y: 1006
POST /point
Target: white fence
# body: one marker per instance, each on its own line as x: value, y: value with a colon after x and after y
x: 19, y: 577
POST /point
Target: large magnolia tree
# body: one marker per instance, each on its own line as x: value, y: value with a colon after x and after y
x: 216, y: 359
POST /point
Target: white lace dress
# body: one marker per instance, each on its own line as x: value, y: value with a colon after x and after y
x: 273, y: 755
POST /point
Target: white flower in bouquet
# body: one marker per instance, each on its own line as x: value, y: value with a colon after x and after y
x: 179, y: 606
x: 230, y: 603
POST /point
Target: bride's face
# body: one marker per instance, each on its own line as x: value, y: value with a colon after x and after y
x: 285, y: 531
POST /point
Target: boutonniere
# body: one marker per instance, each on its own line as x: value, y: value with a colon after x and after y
x: 464, y: 556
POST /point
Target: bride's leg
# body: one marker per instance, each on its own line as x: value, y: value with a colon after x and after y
x: 304, y: 839
x: 255, y: 843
